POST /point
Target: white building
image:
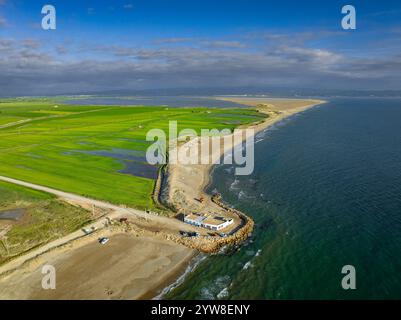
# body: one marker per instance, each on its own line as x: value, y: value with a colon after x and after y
x: 194, y: 219
x: 212, y: 223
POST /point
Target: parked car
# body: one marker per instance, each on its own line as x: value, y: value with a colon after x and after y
x: 103, y: 240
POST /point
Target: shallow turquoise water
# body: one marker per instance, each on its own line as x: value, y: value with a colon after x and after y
x: 326, y: 192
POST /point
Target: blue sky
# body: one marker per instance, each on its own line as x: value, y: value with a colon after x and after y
x: 128, y: 45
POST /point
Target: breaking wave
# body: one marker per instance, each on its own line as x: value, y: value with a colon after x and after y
x: 234, y: 185
x: 217, y: 290
x: 191, y: 267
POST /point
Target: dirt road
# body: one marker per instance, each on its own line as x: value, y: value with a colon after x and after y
x: 142, y: 219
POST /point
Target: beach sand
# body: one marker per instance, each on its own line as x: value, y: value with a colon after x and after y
x: 127, y: 267
x: 278, y: 104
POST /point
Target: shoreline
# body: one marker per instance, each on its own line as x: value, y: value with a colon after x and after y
x: 150, y: 227
x: 191, y: 265
x: 205, y: 172
x: 268, y: 121
x: 182, y: 189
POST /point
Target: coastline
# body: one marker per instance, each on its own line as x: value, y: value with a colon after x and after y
x: 187, y: 183
x: 273, y: 105
x: 178, y: 279
x: 197, y: 187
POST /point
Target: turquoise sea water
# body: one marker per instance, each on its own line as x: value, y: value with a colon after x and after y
x: 326, y: 192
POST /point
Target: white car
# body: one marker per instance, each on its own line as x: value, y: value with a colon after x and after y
x: 103, y: 240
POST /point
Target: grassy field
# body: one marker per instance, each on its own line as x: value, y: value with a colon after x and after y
x: 45, y: 219
x: 63, y: 146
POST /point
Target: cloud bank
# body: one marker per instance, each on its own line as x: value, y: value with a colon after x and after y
x: 29, y: 68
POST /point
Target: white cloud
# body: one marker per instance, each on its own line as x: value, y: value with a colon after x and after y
x: 3, y: 22
x: 128, y: 6
x: 32, y: 69
x: 30, y: 43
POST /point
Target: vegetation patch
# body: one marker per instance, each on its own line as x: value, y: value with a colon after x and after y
x: 78, y: 149
x: 44, y: 219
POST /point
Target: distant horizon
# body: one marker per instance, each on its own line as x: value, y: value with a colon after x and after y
x: 223, y: 91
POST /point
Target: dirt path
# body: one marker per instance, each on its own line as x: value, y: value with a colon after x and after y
x: 16, y: 123
x: 84, y: 200
x: 142, y: 220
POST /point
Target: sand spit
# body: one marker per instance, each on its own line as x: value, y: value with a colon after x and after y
x: 186, y: 183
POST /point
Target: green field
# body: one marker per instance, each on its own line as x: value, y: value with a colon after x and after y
x: 45, y: 219
x: 50, y: 144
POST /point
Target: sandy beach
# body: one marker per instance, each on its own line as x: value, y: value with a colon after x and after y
x: 183, y: 189
x: 127, y: 267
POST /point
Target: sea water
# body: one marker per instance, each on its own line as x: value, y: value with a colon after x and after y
x: 325, y: 193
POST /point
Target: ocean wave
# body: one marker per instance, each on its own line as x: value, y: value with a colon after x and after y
x: 223, y: 281
x: 234, y: 185
x: 191, y: 267
x: 223, y: 294
x: 206, y: 294
x: 217, y: 289
x: 247, y: 265
x: 243, y: 195
x: 229, y: 170
x: 261, y: 135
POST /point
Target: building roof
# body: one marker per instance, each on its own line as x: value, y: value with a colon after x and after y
x: 216, y: 221
x: 199, y: 218
x: 195, y: 217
